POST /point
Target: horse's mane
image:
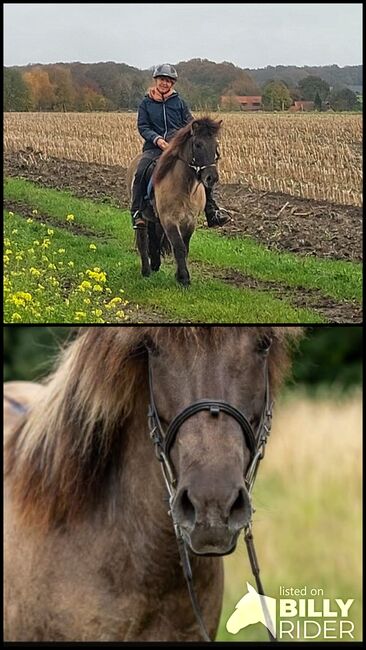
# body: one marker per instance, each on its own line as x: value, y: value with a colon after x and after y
x: 71, y: 444
x: 204, y: 127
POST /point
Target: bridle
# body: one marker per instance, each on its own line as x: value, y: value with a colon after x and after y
x: 255, y: 441
x: 198, y: 168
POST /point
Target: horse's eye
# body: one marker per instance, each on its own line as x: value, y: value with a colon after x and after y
x: 198, y: 145
x: 151, y: 346
x: 264, y: 344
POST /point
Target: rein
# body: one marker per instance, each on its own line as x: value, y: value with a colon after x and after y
x: 256, y: 442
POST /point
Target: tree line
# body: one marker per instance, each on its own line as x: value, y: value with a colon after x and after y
x: 327, y: 356
x: 116, y: 86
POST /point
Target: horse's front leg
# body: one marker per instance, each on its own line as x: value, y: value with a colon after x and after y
x: 180, y: 254
x: 154, y: 245
x: 142, y: 245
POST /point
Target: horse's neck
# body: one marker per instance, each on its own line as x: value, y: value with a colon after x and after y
x: 140, y: 518
x: 183, y: 180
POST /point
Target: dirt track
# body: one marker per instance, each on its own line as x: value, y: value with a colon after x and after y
x: 279, y: 221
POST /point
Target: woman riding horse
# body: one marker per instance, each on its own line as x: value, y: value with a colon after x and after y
x: 161, y: 113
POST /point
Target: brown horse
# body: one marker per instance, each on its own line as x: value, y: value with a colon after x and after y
x: 90, y: 551
x: 179, y: 197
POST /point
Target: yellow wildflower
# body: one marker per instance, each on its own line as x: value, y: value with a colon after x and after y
x: 24, y: 294
x: 29, y: 220
x: 93, y: 247
x: 16, y: 317
x: 70, y: 264
x: 97, y: 287
x: 79, y: 315
x: 50, y: 231
x: 34, y: 211
x: 85, y: 285
x: 70, y: 217
x: 114, y: 302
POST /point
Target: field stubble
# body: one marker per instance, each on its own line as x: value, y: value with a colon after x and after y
x: 312, y: 156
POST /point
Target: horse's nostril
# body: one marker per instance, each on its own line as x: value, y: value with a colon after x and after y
x: 238, y: 503
x: 240, y: 510
x: 187, y: 508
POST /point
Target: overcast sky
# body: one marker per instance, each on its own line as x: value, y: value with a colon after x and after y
x: 144, y: 34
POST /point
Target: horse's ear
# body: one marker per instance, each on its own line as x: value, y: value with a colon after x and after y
x: 250, y: 588
x: 194, y: 127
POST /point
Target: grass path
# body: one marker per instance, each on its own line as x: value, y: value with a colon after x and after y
x: 206, y: 300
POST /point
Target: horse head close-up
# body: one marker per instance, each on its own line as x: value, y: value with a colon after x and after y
x: 177, y: 194
x: 129, y: 473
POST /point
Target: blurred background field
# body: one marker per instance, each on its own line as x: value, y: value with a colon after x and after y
x: 307, y: 525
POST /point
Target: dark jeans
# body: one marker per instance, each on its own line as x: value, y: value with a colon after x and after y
x: 139, y: 185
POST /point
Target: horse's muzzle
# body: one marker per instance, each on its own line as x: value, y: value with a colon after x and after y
x: 209, y: 177
x: 214, y: 541
x: 212, y: 525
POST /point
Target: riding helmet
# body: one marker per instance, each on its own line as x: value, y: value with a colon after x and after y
x: 165, y: 70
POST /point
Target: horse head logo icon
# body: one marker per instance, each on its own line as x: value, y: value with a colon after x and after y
x: 253, y: 608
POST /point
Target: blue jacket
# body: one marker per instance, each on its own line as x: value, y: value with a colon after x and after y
x: 161, y: 119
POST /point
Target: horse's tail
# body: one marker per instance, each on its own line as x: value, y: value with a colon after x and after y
x: 158, y: 239
x: 165, y: 245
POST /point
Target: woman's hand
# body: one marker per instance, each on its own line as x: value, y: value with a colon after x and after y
x: 163, y: 144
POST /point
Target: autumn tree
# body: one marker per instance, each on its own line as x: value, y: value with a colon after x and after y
x: 40, y: 88
x: 89, y: 100
x: 63, y: 88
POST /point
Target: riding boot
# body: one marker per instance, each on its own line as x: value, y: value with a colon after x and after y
x: 215, y: 216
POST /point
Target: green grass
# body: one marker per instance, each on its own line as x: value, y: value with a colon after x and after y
x: 207, y: 300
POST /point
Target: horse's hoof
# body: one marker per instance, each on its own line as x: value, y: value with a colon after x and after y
x: 155, y: 268
x: 146, y: 272
x: 184, y: 282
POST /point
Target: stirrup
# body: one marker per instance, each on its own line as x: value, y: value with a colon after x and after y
x: 138, y: 222
x: 218, y: 218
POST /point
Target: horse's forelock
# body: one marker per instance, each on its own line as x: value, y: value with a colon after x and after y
x: 207, y: 127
